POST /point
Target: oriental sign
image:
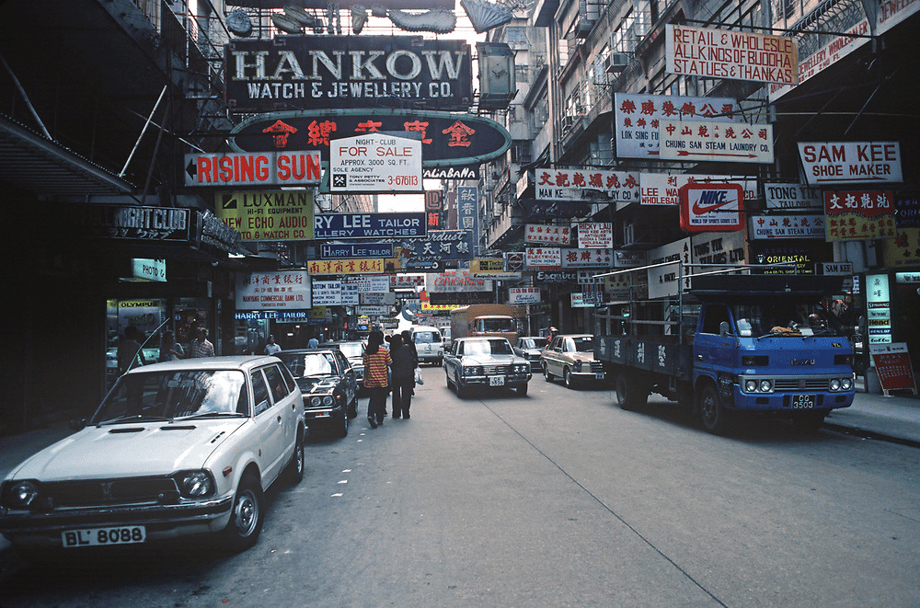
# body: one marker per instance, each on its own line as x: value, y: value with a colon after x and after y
x: 300, y: 72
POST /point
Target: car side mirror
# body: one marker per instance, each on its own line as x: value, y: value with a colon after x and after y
x: 77, y: 425
x: 724, y: 330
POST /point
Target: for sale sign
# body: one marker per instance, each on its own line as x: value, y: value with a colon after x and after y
x: 375, y: 163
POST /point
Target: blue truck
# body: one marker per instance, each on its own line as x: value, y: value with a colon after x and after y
x: 730, y: 345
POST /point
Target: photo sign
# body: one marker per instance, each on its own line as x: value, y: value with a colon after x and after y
x: 712, y: 53
x: 375, y: 163
x: 301, y: 72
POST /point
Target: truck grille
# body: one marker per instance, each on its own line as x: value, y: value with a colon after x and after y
x: 795, y: 384
x: 496, y: 370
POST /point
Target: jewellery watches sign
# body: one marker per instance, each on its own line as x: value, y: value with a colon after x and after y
x: 369, y: 225
x: 300, y: 72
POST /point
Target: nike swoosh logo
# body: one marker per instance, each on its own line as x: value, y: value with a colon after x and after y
x: 701, y: 210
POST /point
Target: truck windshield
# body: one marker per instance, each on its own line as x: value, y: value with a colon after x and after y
x: 496, y: 324
x: 784, y: 318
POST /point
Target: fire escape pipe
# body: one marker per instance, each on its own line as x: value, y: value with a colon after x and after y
x: 144, y: 130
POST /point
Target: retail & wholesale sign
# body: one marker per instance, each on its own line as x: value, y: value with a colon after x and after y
x: 847, y: 162
x: 300, y: 72
x: 570, y: 184
x: 724, y: 142
x: 638, y: 116
x: 287, y: 168
x: 453, y: 144
x: 736, y: 55
x: 277, y: 290
x: 859, y: 214
x: 375, y: 163
x: 267, y: 215
x: 540, y: 233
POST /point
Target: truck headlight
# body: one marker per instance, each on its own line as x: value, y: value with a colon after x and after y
x: 835, y: 384
x: 750, y: 386
x: 766, y: 386
x: 846, y: 384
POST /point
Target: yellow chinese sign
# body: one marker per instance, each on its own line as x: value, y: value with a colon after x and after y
x: 267, y: 215
x: 320, y: 267
x: 429, y: 307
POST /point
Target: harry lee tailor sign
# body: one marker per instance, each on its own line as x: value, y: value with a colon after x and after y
x: 298, y: 72
x: 369, y: 225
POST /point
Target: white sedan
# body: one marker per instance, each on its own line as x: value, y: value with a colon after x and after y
x: 175, y: 448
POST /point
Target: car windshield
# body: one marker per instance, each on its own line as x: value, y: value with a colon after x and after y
x: 487, y: 347
x: 426, y: 337
x: 352, y: 350
x: 582, y: 345
x: 779, y: 318
x: 174, y: 394
x: 528, y: 343
x: 496, y: 324
x: 312, y: 364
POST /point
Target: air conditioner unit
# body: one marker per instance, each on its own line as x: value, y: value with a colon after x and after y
x: 568, y: 122
x: 617, y: 62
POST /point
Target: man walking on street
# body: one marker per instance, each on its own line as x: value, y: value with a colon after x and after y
x: 201, y: 347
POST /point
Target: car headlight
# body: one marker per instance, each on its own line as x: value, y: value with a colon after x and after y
x: 20, y: 494
x: 322, y: 400
x: 578, y: 366
x: 194, y: 484
x: 472, y: 370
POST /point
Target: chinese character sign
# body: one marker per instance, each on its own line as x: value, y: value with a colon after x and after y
x: 569, y: 184
x: 859, y: 214
x: 324, y: 267
x: 595, y: 235
x: 539, y: 233
x: 468, y: 212
x: 278, y: 290
x: 544, y: 257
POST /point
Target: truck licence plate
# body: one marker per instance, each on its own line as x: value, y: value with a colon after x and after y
x: 94, y: 537
x: 496, y: 381
x: 802, y: 402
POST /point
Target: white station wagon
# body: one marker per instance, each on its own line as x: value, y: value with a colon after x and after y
x: 175, y: 448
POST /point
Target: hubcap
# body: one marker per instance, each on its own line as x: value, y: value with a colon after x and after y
x: 247, y: 513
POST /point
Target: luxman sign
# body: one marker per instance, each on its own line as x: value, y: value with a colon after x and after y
x: 301, y: 72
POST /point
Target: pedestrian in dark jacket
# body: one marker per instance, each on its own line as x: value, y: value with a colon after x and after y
x: 403, y: 369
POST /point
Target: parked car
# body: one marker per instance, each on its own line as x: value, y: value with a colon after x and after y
x: 531, y: 347
x: 328, y: 384
x: 175, y: 448
x: 485, y: 362
x: 354, y: 352
x: 571, y: 357
x: 429, y: 344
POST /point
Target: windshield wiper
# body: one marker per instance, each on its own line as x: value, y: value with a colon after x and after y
x: 213, y: 415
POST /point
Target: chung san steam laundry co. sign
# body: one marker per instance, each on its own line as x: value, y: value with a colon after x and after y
x: 301, y: 72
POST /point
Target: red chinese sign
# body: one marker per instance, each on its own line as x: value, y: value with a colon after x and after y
x: 859, y: 214
x: 555, y: 235
x: 321, y: 267
x: 893, y: 364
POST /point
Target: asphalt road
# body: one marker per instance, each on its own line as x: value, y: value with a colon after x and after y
x: 555, y: 499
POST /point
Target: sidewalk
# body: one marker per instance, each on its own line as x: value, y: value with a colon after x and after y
x: 895, y: 418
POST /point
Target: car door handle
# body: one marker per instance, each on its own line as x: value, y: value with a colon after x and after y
x: 279, y: 417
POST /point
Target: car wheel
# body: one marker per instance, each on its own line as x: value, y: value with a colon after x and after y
x: 630, y: 396
x: 450, y: 386
x: 522, y: 390
x: 712, y: 414
x: 247, y: 516
x: 461, y: 391
x: 353, y: 408
x: 546, y: 375
x: 296, y: 466
x: 343, y: 424
x: 567, y: 378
